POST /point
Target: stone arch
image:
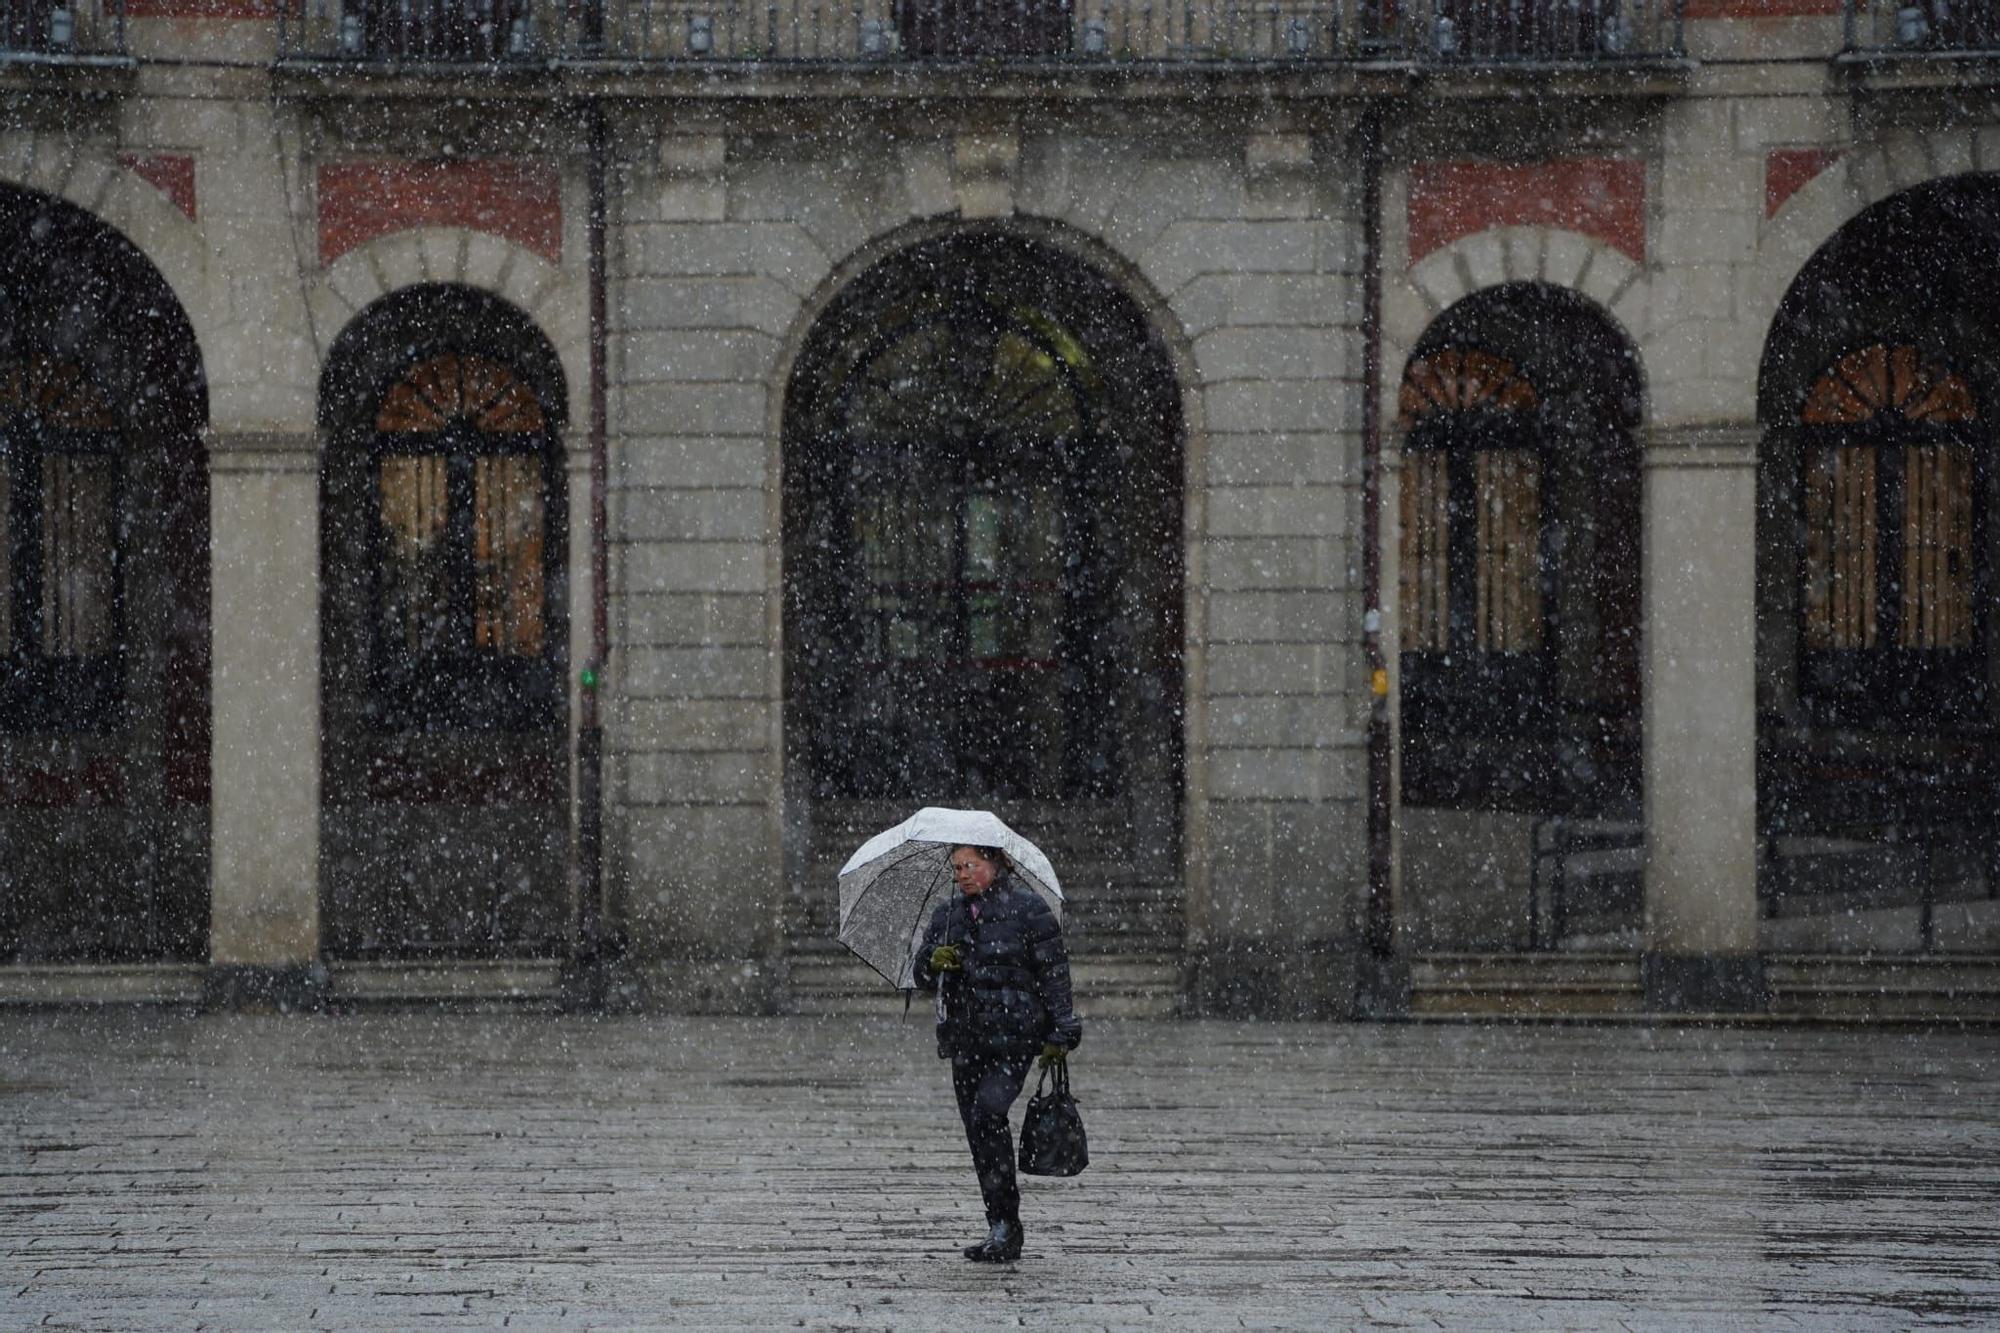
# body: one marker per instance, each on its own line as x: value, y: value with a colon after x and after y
x: 1849, y: 187
x: 106, y: 703
x: 1869, y: 283
x: 1168, y: 322
x: 100, y: 185
x: 1605, y: 276
x: 444, y: 704
x: 548, y: 297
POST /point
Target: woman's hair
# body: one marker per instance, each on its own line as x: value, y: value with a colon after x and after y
x: 1000, y: 859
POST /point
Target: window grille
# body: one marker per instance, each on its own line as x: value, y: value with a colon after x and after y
x: 461, y: 487
x: 1426, y: 563
x: 1885, y: 416
x: 1459, y: 403
x: 1508, y: 605
x: 967, y: 543
x: 59, y: 498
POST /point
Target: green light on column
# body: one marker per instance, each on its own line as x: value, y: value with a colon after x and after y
x: 589, y: 678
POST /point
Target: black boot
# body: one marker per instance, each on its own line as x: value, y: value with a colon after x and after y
x: 1001, y: 1246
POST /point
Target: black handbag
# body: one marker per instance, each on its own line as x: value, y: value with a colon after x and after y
x: 1052, y: 1139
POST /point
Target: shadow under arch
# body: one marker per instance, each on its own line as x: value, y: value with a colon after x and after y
x: 983, y: 455
x: 1878, y: 557
x: 104, y: 572
x: 1519, y: 609
x: 444, y: 624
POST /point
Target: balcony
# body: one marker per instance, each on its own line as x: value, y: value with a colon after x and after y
x: 1901, y: 29
x: 80, y: 33
x: 634, y: 35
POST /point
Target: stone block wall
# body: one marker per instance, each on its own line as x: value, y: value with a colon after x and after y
x: 731, y: 239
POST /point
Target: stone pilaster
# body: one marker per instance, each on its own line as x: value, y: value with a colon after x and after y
x: 1700, y: 725
x: 264, y: 516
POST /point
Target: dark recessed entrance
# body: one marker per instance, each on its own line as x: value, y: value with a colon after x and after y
x: 445, y: 776
x: 1519, y: 589
x: 104, y: 704
x: 982, y: 545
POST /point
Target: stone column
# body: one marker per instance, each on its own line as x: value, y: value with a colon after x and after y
x: 1700, y: 683
x: 264, y: 516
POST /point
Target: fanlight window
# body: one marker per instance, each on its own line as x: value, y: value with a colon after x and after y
x: 1471, y: 507
x: 461, y: 516
x: 1890, y: 487
x: 58, y: 544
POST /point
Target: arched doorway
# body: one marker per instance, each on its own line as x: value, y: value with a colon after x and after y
x: 443, y: 521
x: 982, y: 506
x: 1519, y: 593
x: 1878, y: 732
x: 104, y: 703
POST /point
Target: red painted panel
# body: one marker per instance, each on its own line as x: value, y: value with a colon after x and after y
x: 1789, y: 170
x: 172, y: 174
x: 1758, y: 9
x: 518, y: 200
x: 1600, y: 197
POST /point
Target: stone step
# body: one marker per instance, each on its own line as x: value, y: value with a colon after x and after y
x: 1503, y: 985
x: 1834, y: 986
x: 101, y: 983
x: 1132, y: 986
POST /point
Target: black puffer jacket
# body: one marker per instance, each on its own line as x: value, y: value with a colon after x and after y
x: 1013, y: 993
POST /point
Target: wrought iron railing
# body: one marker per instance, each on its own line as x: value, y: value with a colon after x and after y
x: 1502, y: 32
x: 1922, y: 27
x: 531, y: 33
x: 61, y: 30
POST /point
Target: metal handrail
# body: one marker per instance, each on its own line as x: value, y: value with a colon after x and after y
x: 530, y: 33
x: 1922, y: 27
x: 61, y: 31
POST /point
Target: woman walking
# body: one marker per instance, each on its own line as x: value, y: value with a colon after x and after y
x: 996, y: 959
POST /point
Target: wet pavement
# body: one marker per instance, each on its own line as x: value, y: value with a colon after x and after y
x: 427, y: 1170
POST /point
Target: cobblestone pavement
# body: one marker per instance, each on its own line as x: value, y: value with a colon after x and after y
x: 426, y: 1170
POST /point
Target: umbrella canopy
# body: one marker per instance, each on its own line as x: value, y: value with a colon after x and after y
x: 890, y: 887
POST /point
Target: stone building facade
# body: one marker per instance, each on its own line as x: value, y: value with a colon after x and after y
x: 1438, y: 510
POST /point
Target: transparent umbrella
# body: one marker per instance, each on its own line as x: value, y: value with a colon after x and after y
x: 890, y: 887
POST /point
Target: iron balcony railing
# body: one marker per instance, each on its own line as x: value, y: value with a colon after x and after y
x: 1921, y: 27
x: 61, y: 31
x: 532, y: 33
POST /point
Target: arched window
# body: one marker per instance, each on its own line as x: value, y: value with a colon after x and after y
x: 1891, y: 574
x: 59, y: 528
x: 1474, y: 576
x: 462, y: 471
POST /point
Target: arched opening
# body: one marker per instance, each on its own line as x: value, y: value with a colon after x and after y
x: 444, y: 630
x: 983, y: 582
x: 104, y: 680
x: 1878, y: 768
x: 1518, y: 579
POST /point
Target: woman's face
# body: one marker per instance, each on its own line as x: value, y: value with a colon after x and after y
x: 973, y: 872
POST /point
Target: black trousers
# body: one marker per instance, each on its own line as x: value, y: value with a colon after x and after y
x: 986, y: 1086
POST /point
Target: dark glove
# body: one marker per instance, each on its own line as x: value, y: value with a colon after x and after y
x: 1053, y: 1054
x: 945, y: 958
